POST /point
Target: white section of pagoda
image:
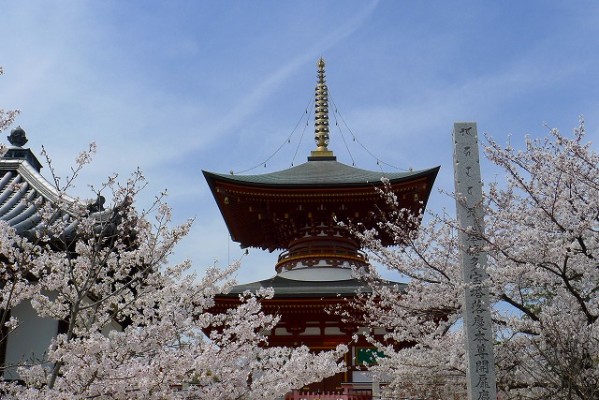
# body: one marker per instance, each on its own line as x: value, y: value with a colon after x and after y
x: 317, y: 273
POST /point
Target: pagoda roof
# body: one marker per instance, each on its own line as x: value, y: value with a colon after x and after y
x: 319, y: 173
x: 292, y: 288
x: 266, y: 211
x: 271, y: 210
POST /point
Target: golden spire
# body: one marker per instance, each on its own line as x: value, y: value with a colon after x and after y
x: 321, y: 115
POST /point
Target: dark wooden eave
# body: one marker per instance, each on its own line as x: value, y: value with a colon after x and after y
x: 268, y: 211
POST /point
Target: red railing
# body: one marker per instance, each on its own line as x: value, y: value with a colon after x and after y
x: 345, y: 394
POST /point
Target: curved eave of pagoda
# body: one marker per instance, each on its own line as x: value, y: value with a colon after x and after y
x: 292, y: 296
x: 319, y: 174
x: 266, y: 211
x: 292, y: 290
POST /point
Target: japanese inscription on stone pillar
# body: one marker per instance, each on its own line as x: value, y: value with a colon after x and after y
x: 476, y: 311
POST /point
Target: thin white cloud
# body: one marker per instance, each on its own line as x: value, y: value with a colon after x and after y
x: 256, y: 98
x: 176, y: 88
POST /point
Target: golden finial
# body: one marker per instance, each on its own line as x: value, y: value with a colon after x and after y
x: 321, y: 115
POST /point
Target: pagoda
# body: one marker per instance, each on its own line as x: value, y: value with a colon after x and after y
x: 297, y: 212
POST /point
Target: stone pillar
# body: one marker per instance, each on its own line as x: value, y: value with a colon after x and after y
x: 476, y: 310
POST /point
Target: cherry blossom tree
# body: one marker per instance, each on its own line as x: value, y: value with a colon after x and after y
x: 12, y: 248
x: 542, y: 242
x: 133, y: 326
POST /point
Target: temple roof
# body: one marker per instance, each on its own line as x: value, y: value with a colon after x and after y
x: 293, y: 288
x: 23, y: 190
x: 268, y: 211
x: 319, y: 173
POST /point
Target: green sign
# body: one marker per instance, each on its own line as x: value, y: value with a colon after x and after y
x: 367, y: 356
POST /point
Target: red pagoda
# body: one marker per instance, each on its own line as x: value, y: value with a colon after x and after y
x: 296, y: 211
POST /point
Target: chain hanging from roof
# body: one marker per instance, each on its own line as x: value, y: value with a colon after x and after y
x: 321, y: 128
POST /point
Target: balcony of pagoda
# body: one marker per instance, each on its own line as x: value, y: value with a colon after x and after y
x: 348, y: 392
x: 322, y: 251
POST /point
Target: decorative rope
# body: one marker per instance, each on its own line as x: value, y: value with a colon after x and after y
x: 305, y: 114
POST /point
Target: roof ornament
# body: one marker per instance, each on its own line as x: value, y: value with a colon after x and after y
x: 17, y: 137
x: 321, y: 116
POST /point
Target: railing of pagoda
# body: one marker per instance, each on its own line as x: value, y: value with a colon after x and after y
x: 345, y: 394
x: 321, y: 252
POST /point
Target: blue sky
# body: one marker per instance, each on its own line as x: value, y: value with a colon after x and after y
x: 174, y: 87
